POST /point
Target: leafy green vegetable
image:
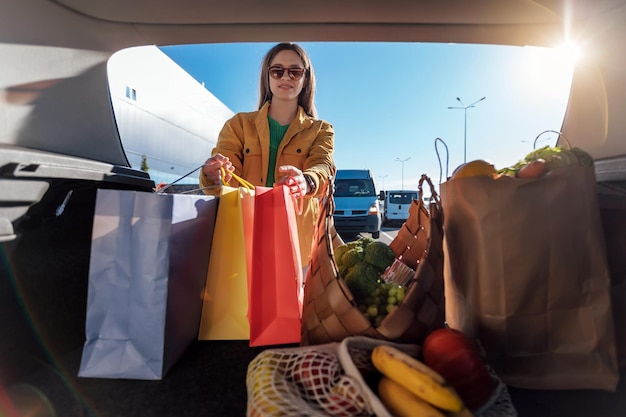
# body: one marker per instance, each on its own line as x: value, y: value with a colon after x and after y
x: 379, y: 254
x: 362, y: 279
x: 361, y: 263
x: 365, y: 241
x: 350, y: 258
x: 555, y: 156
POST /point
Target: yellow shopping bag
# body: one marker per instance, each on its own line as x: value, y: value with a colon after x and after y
x: 225, y: 297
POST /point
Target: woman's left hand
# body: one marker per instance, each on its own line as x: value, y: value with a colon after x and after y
x: 297, y: 184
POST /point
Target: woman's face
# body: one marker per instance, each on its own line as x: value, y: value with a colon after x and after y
x: 289, y: 85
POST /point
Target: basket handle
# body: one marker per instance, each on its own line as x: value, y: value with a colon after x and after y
x: 433, y: 193
x: 326, y: 202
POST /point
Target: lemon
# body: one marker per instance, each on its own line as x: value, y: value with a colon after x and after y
x: 473, y: 168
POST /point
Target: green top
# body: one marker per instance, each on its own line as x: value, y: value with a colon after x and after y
x: 277, y: 132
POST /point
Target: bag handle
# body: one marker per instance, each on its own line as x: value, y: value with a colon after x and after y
x: 298, y: 202
x: 561, y: 135
x: 439, y: 158
x: 326, y: 203
x: 161, y: 187
x: 434, y: 196
x: 244, y: 183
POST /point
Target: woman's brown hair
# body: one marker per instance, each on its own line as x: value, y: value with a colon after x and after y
x: 305, y: 99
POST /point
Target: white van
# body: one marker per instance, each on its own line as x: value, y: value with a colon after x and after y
x: 357, y: 208
x: 397, y: 203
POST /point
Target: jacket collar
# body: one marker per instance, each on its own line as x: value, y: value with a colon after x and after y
x: 301, y: 122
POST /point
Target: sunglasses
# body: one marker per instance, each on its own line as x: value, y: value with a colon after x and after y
x: 277, y: 72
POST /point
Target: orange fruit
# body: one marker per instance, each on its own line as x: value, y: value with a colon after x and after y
x: 474, y: 168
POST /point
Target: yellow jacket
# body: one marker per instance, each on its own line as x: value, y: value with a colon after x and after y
x: 308, y: 145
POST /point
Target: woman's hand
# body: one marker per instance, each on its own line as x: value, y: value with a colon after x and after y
x: 294, y: 179
x: 211, y: 168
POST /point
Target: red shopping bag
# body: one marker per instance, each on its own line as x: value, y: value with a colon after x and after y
x: 275, y: 291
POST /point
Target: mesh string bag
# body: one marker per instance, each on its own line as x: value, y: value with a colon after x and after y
x: 330, y: 312
x: 319, y: 380
x: 333, y: 379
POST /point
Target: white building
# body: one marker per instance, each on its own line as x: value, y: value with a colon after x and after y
x: 163, y: 113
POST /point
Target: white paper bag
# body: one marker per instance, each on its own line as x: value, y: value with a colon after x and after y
x: 148, y: 265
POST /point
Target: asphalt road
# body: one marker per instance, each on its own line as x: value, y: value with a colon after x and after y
x: 387, y: 234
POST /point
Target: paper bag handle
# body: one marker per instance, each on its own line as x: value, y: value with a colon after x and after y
x: 439, y: 158
x: 161, y: 187
x: 244, y: 183
x: 561, y: 135
x: 298, y: 202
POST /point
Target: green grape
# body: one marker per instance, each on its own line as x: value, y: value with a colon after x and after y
x: 393, y: 291
x: 372, y: 311
x: 375, y: 293
x: 390, y: 307
x: 363, y: 308
x: 377, y: 320
x: 400, y: 294
x: 392, y: 300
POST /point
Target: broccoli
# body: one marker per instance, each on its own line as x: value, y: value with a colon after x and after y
x: 365, y: 241
x: 352, y: 257
x: 354, y: 244
x: 364, y: 250
x: 339, y: 252
x: 362, y: 279
x: 379, y: 255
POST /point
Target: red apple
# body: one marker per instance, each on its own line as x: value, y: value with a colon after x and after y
x: 453, y: 355
x: 340, y: 406
x: 315, y: 373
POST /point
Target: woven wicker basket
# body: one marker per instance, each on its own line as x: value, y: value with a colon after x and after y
x: 330, y: 312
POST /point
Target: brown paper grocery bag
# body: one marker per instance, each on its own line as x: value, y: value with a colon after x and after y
x: 613, y: 213
x: 526, y: 274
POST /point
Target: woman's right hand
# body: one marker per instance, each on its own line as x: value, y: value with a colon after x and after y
x: 211, y: 168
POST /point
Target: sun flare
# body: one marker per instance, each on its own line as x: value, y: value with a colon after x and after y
x: 549, y: 68
x: 569, y: 51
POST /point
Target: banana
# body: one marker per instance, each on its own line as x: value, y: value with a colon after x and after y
x: 416, y: 377
x: 402, y: 403
x: 465, y: 412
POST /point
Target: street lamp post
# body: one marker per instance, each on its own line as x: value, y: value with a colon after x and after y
x: 464, y: 108
x: 383, y: 178
x: 402, y: 161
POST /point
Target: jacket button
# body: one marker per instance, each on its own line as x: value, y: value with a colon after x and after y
x: 299, y: 150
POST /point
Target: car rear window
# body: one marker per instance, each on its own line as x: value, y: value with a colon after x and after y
x: 402, y: 198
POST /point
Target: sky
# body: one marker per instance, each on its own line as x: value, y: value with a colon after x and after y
x: 389, y: 102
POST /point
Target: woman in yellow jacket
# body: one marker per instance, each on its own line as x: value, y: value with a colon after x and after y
x: 281, y: 140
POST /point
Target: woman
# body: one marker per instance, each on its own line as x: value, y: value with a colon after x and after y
x: 282, y: 140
